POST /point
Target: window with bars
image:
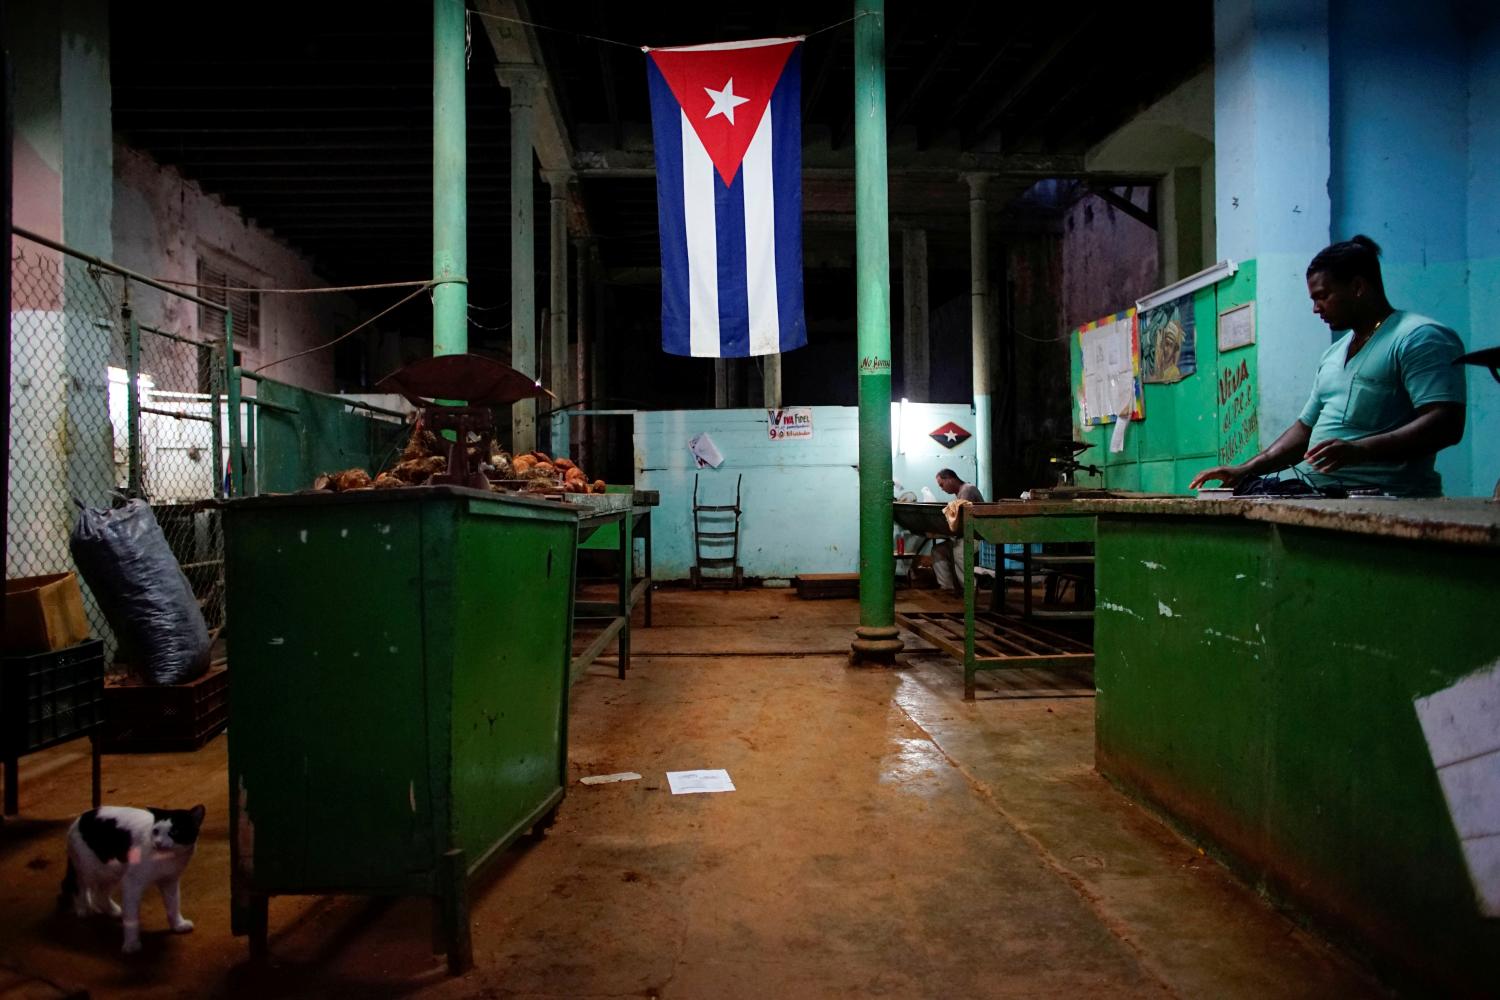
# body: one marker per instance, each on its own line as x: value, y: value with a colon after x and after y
x: 244, y: 306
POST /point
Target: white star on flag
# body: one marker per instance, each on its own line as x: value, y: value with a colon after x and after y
x: 950, y: 435
x: 725, y: 101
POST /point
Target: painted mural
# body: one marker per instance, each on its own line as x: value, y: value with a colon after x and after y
x: 1168, y: 337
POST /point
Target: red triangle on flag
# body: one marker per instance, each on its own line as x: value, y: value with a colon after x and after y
x: 724, y: 91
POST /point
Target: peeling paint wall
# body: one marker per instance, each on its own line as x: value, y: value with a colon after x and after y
x: 164, y: 223
x: 1109, y: 260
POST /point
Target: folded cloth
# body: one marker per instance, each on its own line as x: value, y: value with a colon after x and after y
x: 951, y: 513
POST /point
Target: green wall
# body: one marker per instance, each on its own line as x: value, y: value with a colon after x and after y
x: 1257, y: 682
x: 292, y: 449
x: 1207, y: 418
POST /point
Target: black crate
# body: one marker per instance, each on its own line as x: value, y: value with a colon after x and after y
x: 166, y: 718
x: 50, y: 698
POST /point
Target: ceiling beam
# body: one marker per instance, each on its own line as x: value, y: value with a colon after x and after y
x: 1145, y: 216
x: 840, y: 162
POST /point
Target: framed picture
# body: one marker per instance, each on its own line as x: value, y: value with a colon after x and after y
x: 1237, y: 327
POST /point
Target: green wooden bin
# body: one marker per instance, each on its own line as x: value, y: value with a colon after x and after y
x: 399, y: 709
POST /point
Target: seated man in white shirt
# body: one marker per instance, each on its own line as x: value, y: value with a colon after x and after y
x: 948, y: 557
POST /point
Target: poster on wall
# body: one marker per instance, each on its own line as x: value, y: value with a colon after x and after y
x: 1237, y: 327
x: 789, y: 423
x: 1111, y: 376
x: 1168, y: 334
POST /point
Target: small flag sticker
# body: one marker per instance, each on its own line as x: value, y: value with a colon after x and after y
x: 950, y: 435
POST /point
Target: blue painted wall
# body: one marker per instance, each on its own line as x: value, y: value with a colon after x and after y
x: 800, y: 497
x: 1334, y: 117
x: 1400, y: 144
x: 1484, y: 246
x: 1271, y: 139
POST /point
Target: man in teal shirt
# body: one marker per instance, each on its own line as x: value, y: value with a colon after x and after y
x: 1386, y: 398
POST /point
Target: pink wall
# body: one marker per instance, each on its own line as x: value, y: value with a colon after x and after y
x: 37, y: 206
x: 1109, y: 260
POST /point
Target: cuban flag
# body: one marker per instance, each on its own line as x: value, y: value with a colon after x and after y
x: 727, y: 120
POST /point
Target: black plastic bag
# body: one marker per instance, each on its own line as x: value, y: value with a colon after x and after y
x: 124, y: 558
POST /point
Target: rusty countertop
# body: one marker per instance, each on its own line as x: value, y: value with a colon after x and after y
x: 1458, y: 520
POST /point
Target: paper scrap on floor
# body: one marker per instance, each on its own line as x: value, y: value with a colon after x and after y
x: 692, y: 782
x: 605, y: 779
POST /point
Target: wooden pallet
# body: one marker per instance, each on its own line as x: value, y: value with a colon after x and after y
x: 815, y: 586
x: 1000, y: 642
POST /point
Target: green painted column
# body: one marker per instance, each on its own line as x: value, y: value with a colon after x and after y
x: 522, y: 84
x: 450, y: 185
x: 876, y: 638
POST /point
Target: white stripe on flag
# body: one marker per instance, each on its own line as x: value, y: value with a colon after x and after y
x: 760, y: 242
x: 698, y: 180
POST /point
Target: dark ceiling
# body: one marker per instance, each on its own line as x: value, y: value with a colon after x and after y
x: 315, y: 120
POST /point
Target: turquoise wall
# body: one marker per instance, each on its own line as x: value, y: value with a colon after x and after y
x: 1400, y: 145
x: 1334, y: 117
x: 800, y: 497
x: 1484, y: 246
x: 1271, y: 143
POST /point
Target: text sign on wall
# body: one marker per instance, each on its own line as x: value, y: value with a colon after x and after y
x: 1239, y: 424
x: 790, y: 422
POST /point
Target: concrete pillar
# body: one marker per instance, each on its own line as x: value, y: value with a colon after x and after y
x: 583, y: 385
x: 721, y: 383
x: 979, y: 324
x: 562, y: 382
x: 771, y: 381
x: 522, y: 83
x: 600, y: 389
x: 1179, y: 224
x: 916, y: 361
x: 1272, y: 164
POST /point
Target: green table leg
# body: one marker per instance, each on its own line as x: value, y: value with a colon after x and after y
x: 626, y: 578
x: 968, y: 571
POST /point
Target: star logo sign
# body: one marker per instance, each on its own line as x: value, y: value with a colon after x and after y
x: 950, y: 435
x: 725, y: 101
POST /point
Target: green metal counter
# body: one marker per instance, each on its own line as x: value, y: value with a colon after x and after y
x: 400, y: 691
x: 1018, y: 522
x: 1258, y: 665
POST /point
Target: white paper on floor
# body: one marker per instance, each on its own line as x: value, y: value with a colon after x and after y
x: 605, y: 779
x: 691, y: 782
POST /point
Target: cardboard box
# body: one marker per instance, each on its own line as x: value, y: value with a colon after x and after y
x: 44, y: 613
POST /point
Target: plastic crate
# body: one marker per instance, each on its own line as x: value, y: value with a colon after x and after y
x: 988, y: 556
x: 50, y: 698
x: 166, y: 718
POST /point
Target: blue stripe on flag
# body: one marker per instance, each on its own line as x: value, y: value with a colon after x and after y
x: 666, y: 128
x: 786, y: 168
x: 734, y: 294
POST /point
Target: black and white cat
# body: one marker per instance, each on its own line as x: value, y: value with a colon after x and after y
x: 133, y: 849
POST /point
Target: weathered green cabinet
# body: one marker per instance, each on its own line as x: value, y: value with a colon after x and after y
x: 399, y: 710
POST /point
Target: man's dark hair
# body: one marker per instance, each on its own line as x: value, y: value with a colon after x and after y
x: 947, y: 474
x: 1343, y: 262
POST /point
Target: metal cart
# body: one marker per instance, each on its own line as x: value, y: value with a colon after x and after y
x: 400, y: 697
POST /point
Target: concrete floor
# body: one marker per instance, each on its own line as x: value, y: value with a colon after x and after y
x: 886, y: 839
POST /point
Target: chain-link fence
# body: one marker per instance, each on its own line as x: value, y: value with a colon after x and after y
x: 83, y: 333
x: 179, y: 453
